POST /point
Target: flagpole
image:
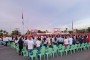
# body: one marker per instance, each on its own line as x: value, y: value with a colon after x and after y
x: 23, y: 23
x: 75, y: 33
x: 72, y: 25
x: 23, y: 29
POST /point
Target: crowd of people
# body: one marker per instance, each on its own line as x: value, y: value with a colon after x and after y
x: 32, y: 42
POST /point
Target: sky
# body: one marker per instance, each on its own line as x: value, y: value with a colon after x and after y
x: 44, y: 14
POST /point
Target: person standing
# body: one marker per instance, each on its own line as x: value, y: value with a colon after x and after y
x: 55, y: 40
x: 61, y: 40
x: 48, y: 39
x: 0, y: 40
x: 70, y: 40
x: 66, y: 42
x: 42, y: 39
x: 26, y: 42
x: 50, y: 43
x: 80, y: 40
x: 30, y: 45
x: 16, y: 41
x: 38, y: 44
x: 34, y: 41
x: 20, y: 42
x: 74, y: 39
x: 5, y: 39
x: 45, y: 41
x: 84, y: 39
x: 87, y: 39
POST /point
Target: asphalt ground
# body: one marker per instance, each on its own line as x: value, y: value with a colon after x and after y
x: 7, y: 53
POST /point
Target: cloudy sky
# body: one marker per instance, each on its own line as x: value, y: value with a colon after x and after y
x: 44, y: 14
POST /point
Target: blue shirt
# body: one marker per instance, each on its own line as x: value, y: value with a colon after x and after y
x: 34, y: 41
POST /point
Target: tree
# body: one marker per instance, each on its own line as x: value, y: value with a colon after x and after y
x: 70, y: 32
x: 3, y: 33
x: 16, y: 32
x: 39, y: 31
x: 1, y: 30
x: 88, y: 29
x: 81, y: 31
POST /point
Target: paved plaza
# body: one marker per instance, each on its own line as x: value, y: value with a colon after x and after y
x: 7, y: 53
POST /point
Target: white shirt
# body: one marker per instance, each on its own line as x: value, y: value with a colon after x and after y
x: 53, y: 40
x: 48, y: 39
x: 38, y: 43
x: 70, y: 41
x: 74, y: 37
x: 5, y: 39
x: 41, y: 38
x: 10, y: 39
x: 30, y: 44
x: 45, y: 42
x: 16, y: 41
x: 66, y: 41
x: 18, y: 37
x: 26, y: 42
